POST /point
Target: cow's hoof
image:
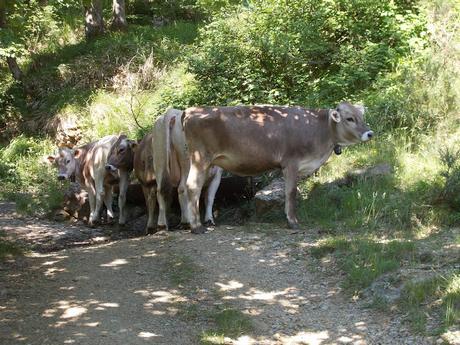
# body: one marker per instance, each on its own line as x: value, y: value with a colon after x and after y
x: 183, y: 226
x: 150, y: 230
x: 199, y: 230
x: 92, y: 223
x: 209, y: 222
x: 162, y: 227
x: 109, y: 221
x: 294, y: 225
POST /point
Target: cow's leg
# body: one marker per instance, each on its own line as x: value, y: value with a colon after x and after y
x: 162, y: 191
x: 151, y: 201
x: 290, y: 174
x: 99, y: 188
x: 123, y: 186
x: 183, y: 201
x: 195, y: 180
x: 92, y: 204
x: 108, y: 201
x: 210, y: 195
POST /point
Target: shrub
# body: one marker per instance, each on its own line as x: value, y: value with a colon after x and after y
x: 25, y: 177
x: 450, y: 192
x: 304, y: 51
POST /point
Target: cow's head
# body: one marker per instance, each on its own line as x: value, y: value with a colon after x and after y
x: 121, y: 155
x: 348, y: 121
x: 66, y: 163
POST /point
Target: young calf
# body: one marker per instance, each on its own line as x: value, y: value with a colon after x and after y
x: 87, y: 165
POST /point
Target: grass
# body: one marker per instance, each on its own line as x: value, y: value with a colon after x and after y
x: 181, y: 270
x: 230, y: 323
x: 363, y: 259
x: 8, y: 249
x: 438, y: 297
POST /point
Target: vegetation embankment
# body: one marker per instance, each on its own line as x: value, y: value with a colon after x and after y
x: 399, y: 58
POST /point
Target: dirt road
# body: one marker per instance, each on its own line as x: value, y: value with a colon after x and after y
x: 168, y: 289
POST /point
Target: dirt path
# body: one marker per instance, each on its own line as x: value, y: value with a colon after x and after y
x: 167, y: 289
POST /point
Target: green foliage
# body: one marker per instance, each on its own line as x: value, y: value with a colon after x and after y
x: 364, y: 259
x: 301, y: 52
x: 27, y: 179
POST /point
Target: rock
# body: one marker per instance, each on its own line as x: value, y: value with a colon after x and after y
x: 452, y: 335
x: 269, y: 198
x: 379, y: 170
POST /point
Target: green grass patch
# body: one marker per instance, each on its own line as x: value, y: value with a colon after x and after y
x: 364, y: 260
x: 230, y: 323
x: 438, y: 297
x: 181, y: 270
x: 8, y: 249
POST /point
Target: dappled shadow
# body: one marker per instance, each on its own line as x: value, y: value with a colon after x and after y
x: 167, y: 289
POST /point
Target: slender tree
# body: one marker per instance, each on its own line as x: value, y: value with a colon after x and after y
x: 2, y: 14
x: 94, y: 22
x: 119, y: 15
x: 10, y: 60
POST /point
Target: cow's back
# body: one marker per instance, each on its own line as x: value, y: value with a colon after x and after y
x: 250, y: 140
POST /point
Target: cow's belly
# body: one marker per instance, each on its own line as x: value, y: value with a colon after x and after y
x: 309, y: 165
x: 243, y: 166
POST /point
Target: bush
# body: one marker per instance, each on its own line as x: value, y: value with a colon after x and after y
x: 303, y: 52
x: 450, y: 192
x: 26, y: 179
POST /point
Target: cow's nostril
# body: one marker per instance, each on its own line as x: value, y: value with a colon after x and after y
x: 107, y: 167
x: 60, y: 177
x: 370, y: 134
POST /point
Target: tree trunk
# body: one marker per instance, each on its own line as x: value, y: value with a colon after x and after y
x: 94, y: 22
x: 2, y: 14
x: 119, y: 15
x: 14, y: 68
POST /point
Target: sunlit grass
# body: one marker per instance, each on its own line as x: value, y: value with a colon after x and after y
x: 230, y: 323
x: 363, y: 259
x: 437, y: 297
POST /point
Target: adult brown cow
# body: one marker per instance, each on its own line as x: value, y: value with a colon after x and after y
x: 160, y: 163
x: 249, y: 140
x: 87, y: 165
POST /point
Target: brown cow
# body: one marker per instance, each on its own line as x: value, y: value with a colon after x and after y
x: 119, y: 165
x: 86, y: 164
x: 249, y: 140
x: 159, y: 161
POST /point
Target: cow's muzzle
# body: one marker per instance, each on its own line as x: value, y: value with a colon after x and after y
x: 367, y: 136
x: 61, y: 177
x: 110, y: 168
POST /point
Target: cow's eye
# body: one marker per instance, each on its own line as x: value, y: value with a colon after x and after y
x: 350, y: 119
x: 121, y: 150
x: 67, y: 162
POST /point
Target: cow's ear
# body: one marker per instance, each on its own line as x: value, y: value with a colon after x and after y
x: 335, y: 115
x: 133, y: 145
x: 77, y: 153
x: 50, y: 159
x: 361, y: 108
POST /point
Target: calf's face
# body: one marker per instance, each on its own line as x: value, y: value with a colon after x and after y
x: 121, y: 155
x: 65, y: 162
x: 350, y: 127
